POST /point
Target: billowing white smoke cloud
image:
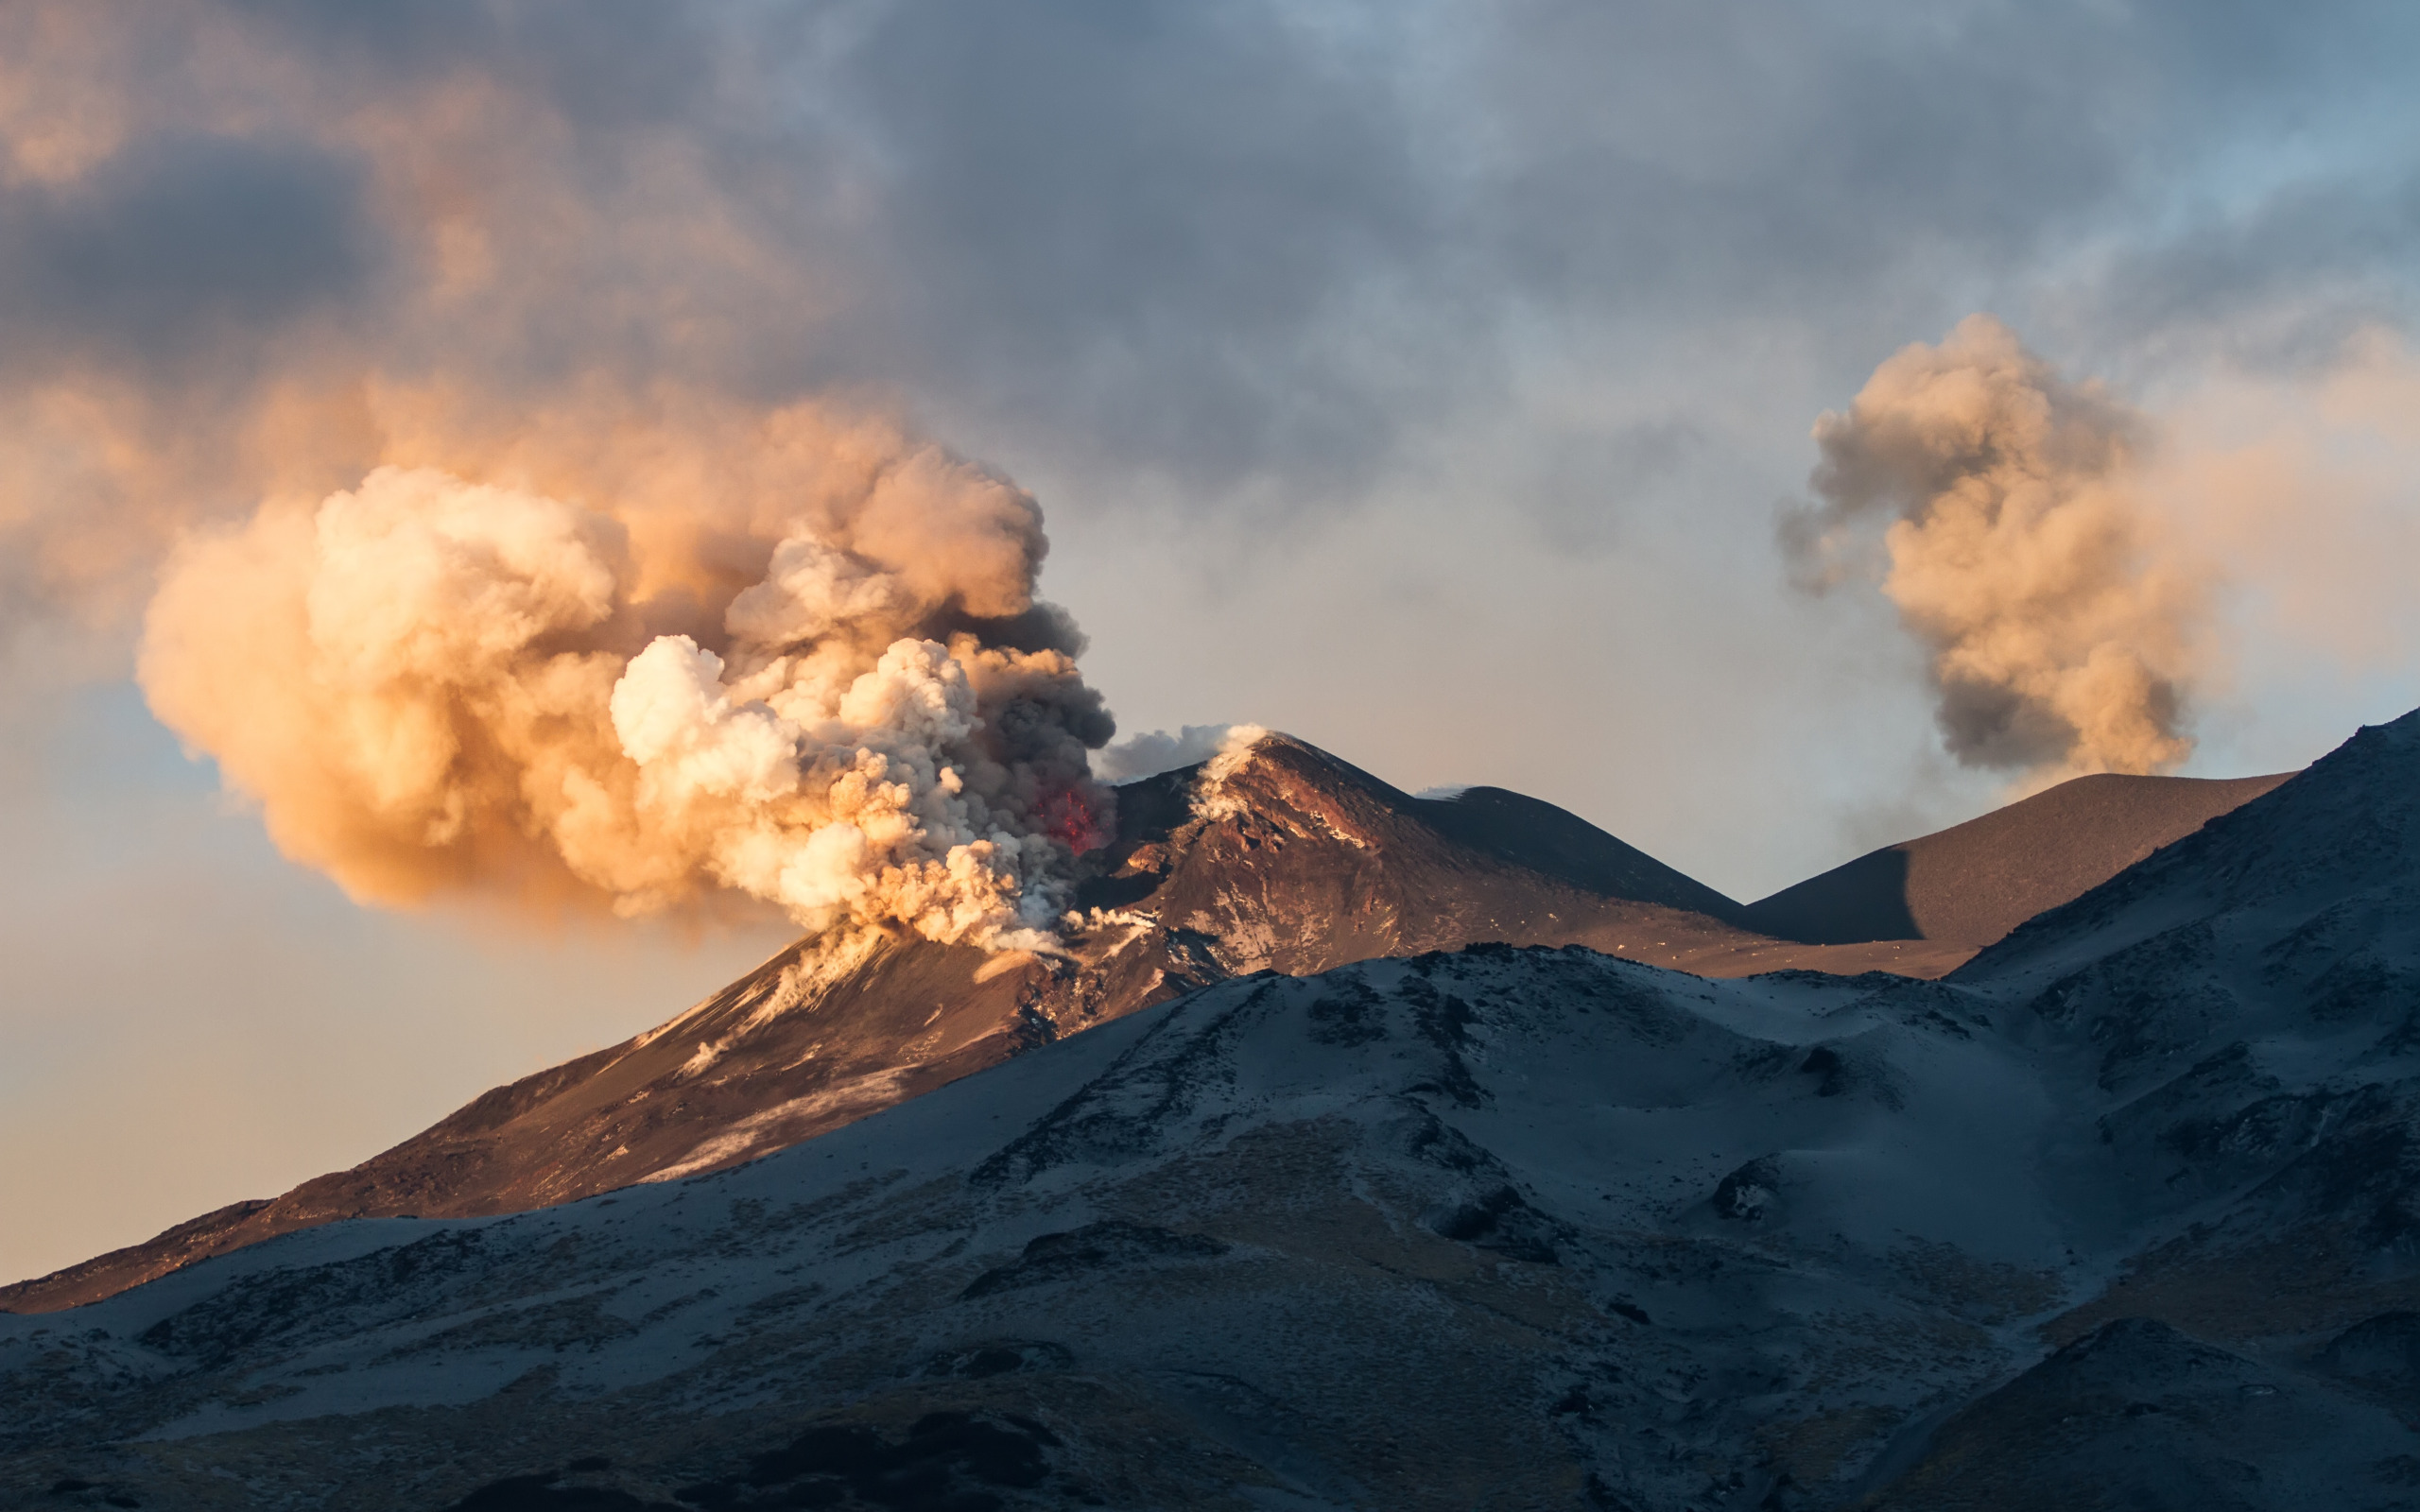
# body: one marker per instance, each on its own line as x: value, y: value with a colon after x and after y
x: 1154, y: 752
x: 1211, y: 799
x: 429, y: 682
x: 2064, y: 617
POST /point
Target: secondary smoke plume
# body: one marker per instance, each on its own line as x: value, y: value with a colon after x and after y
x: 2061, y: 618
x: 792, y: 657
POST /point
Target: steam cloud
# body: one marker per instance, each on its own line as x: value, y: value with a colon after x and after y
x: 2063, y: 618
x: 826, y: 685
x: 1153, y: 751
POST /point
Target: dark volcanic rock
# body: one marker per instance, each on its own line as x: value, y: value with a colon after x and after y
x: 2137, y: 1416
x: 2381, y: 1352
x: 1095, y: 1247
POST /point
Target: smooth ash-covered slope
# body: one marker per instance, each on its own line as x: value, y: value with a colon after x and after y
x: 1972, y: 883
x: 2121, y: 1214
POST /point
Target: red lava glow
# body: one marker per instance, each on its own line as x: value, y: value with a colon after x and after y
x: 1068, y: 815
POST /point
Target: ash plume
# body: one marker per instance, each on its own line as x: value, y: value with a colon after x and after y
x: 459, y: 439
x: 827, y: 686
x: 2063, y: 619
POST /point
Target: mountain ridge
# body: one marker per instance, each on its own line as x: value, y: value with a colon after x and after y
x: 2121, y: 1213
x: 1287, y: 859
x: 1293, y: 860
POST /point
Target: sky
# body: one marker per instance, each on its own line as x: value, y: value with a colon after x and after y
x: 1517, y: 393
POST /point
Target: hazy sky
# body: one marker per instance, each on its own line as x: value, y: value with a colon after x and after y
x: 1426, y: 380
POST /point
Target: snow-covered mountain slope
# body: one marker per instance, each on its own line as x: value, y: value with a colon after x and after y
x: 1452, y: 1231
x: 1973, y: 883
x: 2247, y: 1002
x: 2119, y: 1214
x: 1292, y: 861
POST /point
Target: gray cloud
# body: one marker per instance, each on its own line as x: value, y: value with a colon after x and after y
x: 1182, y: 231
x: 601, y: 62
x: 1769, y: 152
x: 1214, y: 244
x: 179, y: 248
x: 2280, y: 283
x: 1252, y: 252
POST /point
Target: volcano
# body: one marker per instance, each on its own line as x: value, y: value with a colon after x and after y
x: 1286, y: 861
x: 2121, y: 1213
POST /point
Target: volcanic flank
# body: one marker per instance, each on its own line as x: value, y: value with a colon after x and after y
x: 1972, y: 883
x: 2120, y: 1214
x: 1276, y: 857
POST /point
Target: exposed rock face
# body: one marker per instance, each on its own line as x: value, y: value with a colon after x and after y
x: 1975, y: 882
x: 1294, y: 862
x: 2120, y: 1214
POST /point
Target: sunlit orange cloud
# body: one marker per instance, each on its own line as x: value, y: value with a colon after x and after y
x: 483, y: 570
x: 429, y: 682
